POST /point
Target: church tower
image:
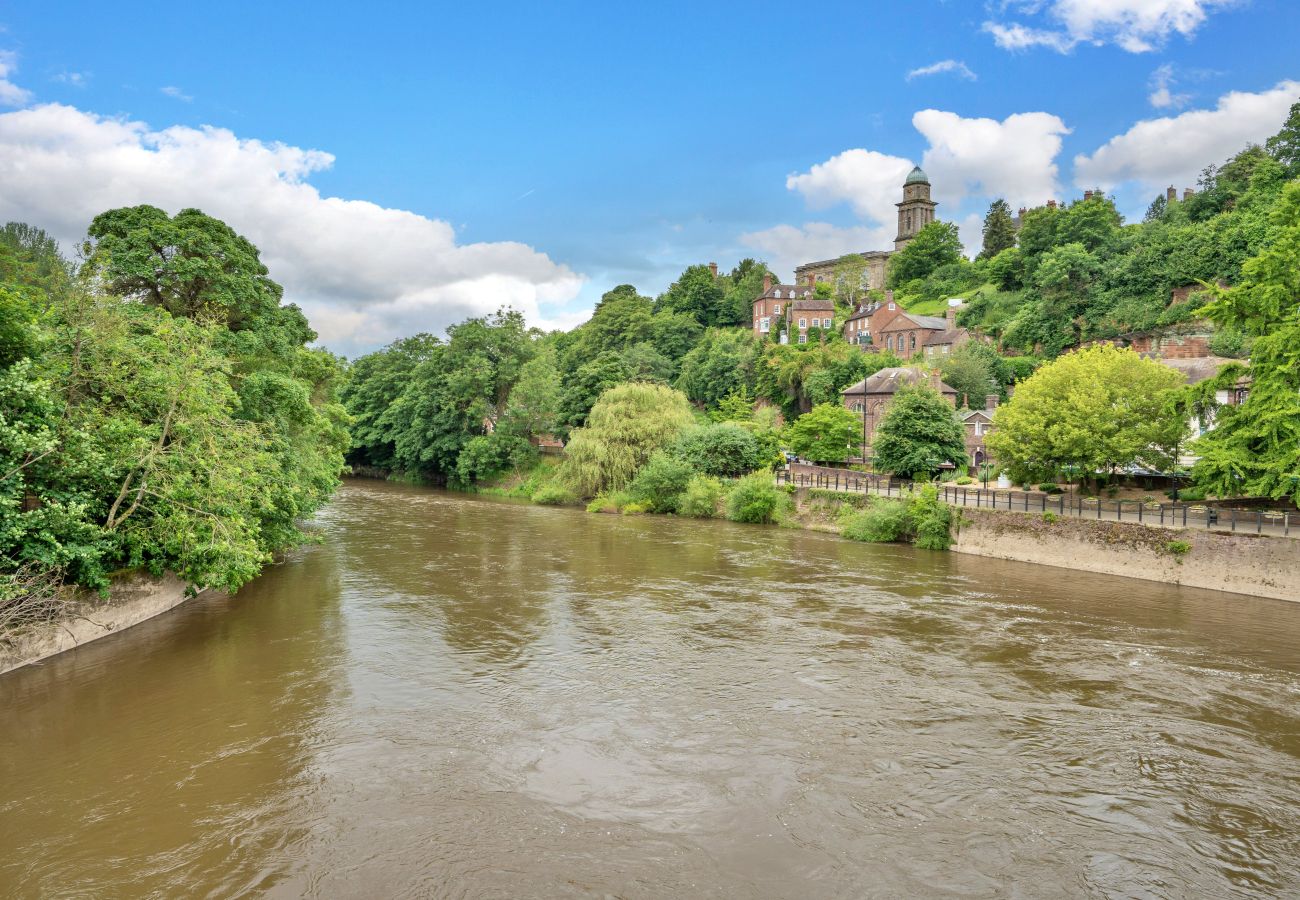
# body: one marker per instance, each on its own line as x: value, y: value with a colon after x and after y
x: 917, y: 209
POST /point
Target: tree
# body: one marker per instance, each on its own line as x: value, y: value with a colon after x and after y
x: 918, y: 434
x: 584, y: 387
x: 696, y: 292
x: 1254, y: 448
x: 972, y: 374
x: 1099, y: 410
x: 724, y: 449
x: 1285, y: 145
x: 999, y: 229
x: 850, y: 278
x: 829, y: 433
x: 374, y: 383
x: 626, y: 426
x: 533, y: 409
x: 937, y: 244
x: 720, y: 364
x: 661, y: 482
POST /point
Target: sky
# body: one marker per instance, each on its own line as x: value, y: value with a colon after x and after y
x: 402, y: 166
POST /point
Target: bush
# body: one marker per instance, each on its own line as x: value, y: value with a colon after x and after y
x: 882, y: 522
x: 701, y: 498
x: 932, y: 520
x: 1178, y: 548
x: 635, y: 509
x: 552, y: 494
x: 755, y: 499
x: 1051, y: 518
x: 965, y: 479
x: 1048, y: 487
x: 1191, y: 495
x: 609, y: 503
x: 660, y: 483
x: 725, y: 450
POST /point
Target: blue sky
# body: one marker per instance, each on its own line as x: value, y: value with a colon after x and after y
x: 538, y: 154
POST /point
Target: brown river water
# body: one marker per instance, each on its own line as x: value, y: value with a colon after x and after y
x: 460, y: 697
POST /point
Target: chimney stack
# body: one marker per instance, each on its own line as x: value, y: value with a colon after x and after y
x: 767, y: 282
x: 1188, y: 193
x: 990, y: 402
x: 713, y: 267
x: 1087, y: 195
x: 1051, y: 204
x: 1171, y: 194
x: 1022, y: 212
x: 951, y: 318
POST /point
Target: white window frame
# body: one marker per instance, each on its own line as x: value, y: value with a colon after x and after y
x: 803, y: 338
x: 765, y: 324
x: 776, y: 309
x: 803, y: 324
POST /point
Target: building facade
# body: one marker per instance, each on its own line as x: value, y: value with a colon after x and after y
x: 824, y: 270
x: 870, y: 398
x: 793, y: 310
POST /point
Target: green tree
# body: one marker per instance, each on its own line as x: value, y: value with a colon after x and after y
x: 723, y: 449
x: 584, y: 387
x: 1285, y: 145
x: 720, y: 364
x: 829, y: 433
x: 1098, y: 410
x: 999, y: 229
x: 374, y: 383
x: 1254, y: 448
x: 937, y: 244
x: 626, y: 426
x: 660, y: 484
x: 918, y: 434
x: 850, y: 279
x: 698, y: 293
x: 972, y: 374
x: 533, y: 408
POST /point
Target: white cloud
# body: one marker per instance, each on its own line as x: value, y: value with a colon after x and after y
x: 944, y: 66
x: 1137, y: 26
x: 1014, y: 159
x: 364, y: 274
x: 176, y: 93
x: 1161, y: 84
x: 75, y: 79
x: 1172, y: 150
x: 10, y: 93
x: 866, y: 179
x: 788, y: 246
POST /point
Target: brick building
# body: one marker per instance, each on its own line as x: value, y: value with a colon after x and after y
x: 796, y: 308
x: 824, y: 270
x: 870, y: 398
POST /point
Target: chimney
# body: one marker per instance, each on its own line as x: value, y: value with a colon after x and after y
x: 713, y: 267
x: 1087, y: 195
x: 767, y: 282
x: 990, y: 402
x: 951, y: 318
x: 1188, y: 193
x: 1051, y: 204
x: 1022, y: 212
x: 1171, y: 194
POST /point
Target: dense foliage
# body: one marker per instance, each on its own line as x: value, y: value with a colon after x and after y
x: 159, y: 406
x: 918, y: 435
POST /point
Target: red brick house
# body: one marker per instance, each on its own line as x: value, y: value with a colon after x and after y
x: 871, y: 397
x: 775, y: 302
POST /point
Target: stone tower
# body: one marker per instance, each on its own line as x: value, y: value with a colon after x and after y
x: 916, y: 210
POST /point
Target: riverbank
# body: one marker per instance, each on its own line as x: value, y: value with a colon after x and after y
x: 132, y: 600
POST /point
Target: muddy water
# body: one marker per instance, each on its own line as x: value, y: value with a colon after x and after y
x: 466, y: 698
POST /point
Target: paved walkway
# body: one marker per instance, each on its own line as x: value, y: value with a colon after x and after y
x: 1166, y: 515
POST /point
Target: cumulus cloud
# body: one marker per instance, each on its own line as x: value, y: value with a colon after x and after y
x: 943, y: 67
x: 865, y: 179
x: 176, y: 93
x: 10, y: 93
x: 1014, y: 158
x: 1173, y: 149
x: 365, y: 274
x: 1162, y: 95
x: 1137, y: 26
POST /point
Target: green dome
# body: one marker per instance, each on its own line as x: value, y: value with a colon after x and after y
x: 916, y: 176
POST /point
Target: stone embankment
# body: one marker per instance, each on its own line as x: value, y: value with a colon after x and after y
x: 132, y: 600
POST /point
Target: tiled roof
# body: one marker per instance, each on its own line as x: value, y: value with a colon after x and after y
x: 887, y: 381
x: 788, y: 291
x: 815, y: 304
x: 945, y: 337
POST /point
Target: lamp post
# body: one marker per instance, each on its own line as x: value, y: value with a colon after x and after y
x: 984, y: 473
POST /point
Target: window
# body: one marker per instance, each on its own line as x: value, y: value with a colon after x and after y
x: 765, y: 324
x: 776, y: 309
x: 803, y: 323
x: 803, y: 338
x: 857, y: 406
x: 979, y: 428
x: 913, y: 345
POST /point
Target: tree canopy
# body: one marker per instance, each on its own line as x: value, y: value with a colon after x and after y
x: 828, y: 433
x: 919, y: 434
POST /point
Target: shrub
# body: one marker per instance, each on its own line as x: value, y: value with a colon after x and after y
x: 1178, y: 548
x: 660, y: 483
x: 609, y: 503
x: 1051, y: 518
x: 553, y: 494
x: 701, y: 498
x: 635, y: 509
x: 755, y: 499
x: 1190, y: 494
x: 725, y: 449
x: 882, y: 522
x: 1048, y: 487
x: 932, y: 520
x: 965, y: 479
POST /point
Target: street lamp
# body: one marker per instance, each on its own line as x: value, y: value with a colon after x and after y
x: 984, y: 472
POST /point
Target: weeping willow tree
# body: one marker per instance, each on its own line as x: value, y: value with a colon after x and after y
x: 627, y: 424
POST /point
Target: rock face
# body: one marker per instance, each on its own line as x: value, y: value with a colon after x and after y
x: 131, y: 601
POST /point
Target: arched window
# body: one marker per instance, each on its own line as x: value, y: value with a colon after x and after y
x: 913, y: 347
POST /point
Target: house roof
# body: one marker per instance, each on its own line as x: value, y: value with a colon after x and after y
x: 888, y: 381
x: 863, y: 312
x: 972, y: 413
x: 1199, y: 369
x: 815, y: 303
x: 931, y: 323
x: 946, y: 337
x: 788, y: 291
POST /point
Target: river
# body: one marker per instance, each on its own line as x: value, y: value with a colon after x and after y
x: 461, y: 697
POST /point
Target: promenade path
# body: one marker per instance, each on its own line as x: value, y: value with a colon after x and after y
x: 1277, y: 523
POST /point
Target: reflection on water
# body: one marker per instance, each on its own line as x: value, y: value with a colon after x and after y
x: 461, y: 697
